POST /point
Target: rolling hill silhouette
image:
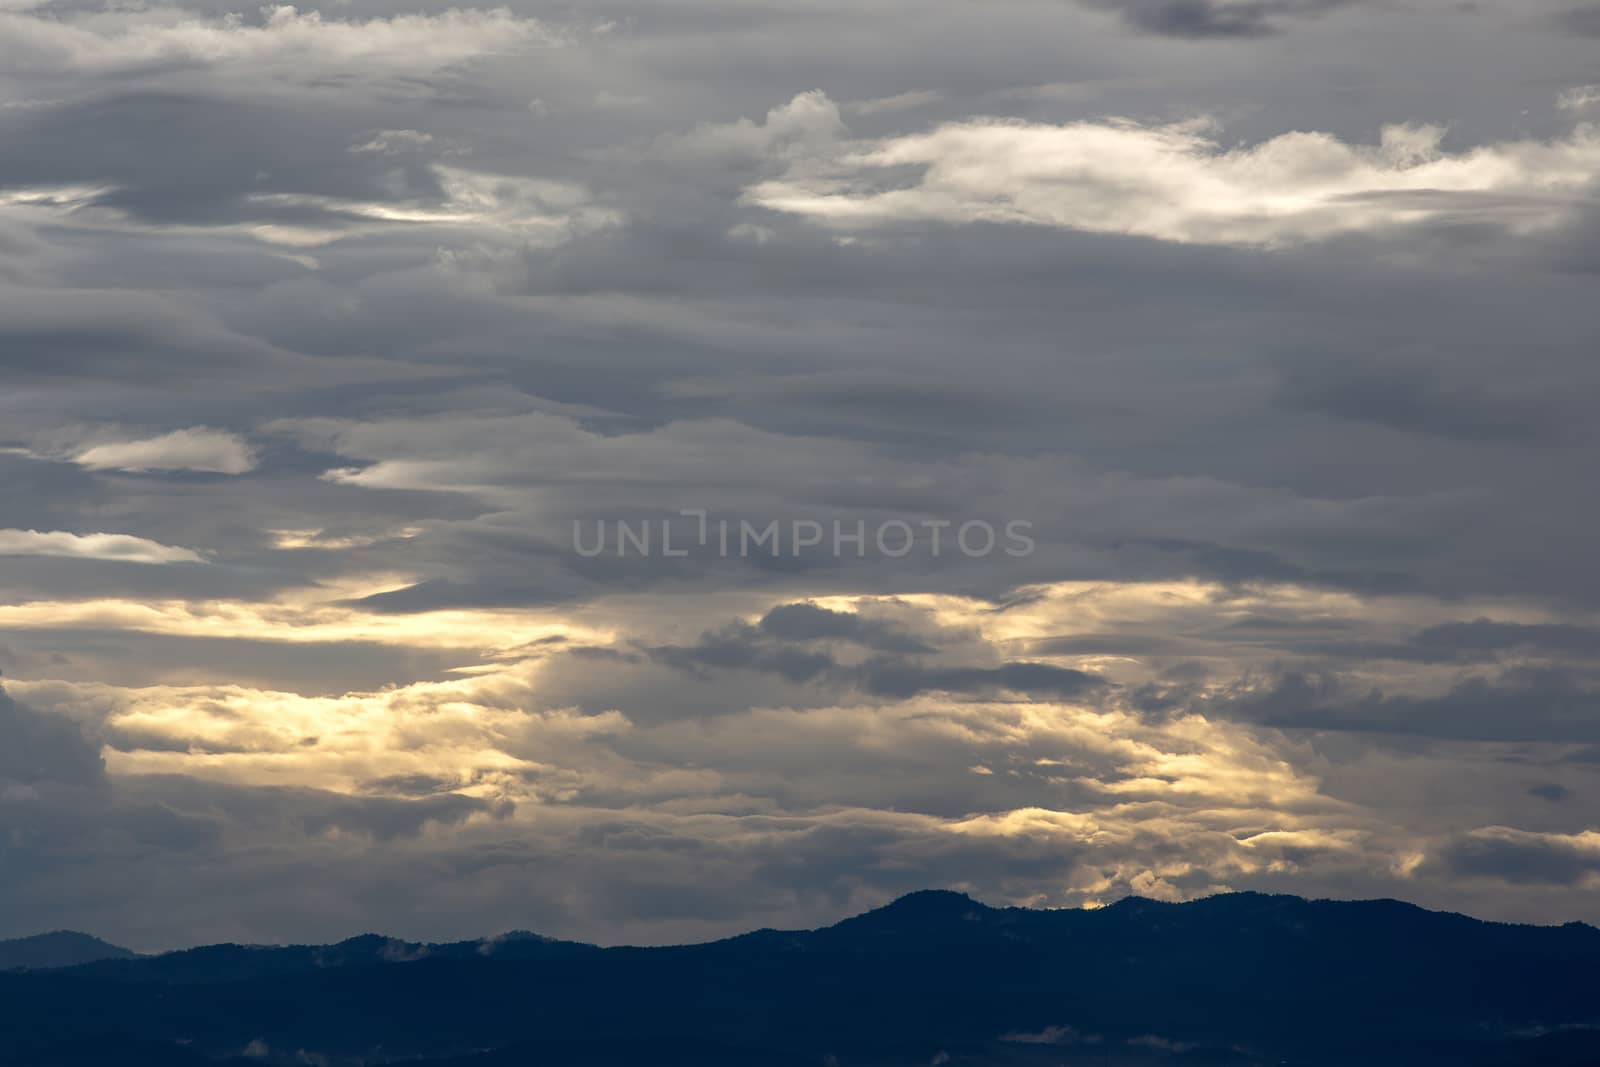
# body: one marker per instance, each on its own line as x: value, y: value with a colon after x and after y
x: 933, y: 978
x: 63, y: 948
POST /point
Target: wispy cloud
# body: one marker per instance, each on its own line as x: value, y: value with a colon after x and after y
x: 122, y: 548
x: 118, y: 41
x: 1178, y: 182
x: 195, y: 449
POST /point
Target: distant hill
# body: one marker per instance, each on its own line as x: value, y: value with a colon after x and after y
x: 232, y: 963
x: 932, y: 979
x: 64, y: 948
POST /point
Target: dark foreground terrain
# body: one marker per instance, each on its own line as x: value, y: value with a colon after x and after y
x: 934, y: 978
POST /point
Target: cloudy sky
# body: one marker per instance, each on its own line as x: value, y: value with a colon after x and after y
x: 323, y: 332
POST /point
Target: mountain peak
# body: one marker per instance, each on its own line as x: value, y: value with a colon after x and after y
x: 933, y: 901
x: 921, y: 909
x: 60, y: 948
x: 1138, y: 982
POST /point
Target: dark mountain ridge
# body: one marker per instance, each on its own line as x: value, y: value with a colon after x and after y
x: 229, y: 962
x: 61, y: 948
x: 934, y: 977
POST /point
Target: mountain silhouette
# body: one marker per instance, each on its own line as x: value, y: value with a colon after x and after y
x: 63, y: 948
x: 231, y: 963
x: 934, y: 978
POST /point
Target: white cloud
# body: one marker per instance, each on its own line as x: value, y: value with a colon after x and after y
x: 1579, y: 98
x: 118, y: 547
x: 1178, y: 183
x: 393, y: 142
x: 534, y: 211
x: 889, y: 105
x: 143, y: 38
x: 805, y: 125
x: 330, y: 542
x: 1089, y: 802
x: 524, y: 210
x: 194, y: 449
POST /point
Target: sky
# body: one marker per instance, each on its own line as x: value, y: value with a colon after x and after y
x: 1239, y: 353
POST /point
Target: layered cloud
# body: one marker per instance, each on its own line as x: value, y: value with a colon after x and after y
x: 1180, y: 183
x: 193, y: 449
x: 1501, y: 852
x: 1201, y: 19
x: 811, y: 791
x: 284, y: 37
x: 1298, y: 402
x: 122, y: 548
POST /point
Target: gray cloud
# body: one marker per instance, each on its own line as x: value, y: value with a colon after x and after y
x: 890, y: 672
x: 899, y: 678
x: 807, y: 622
x: 1200, y: 19
x: 1521, y: 704
x: 1414, y: 400
x: 36, y: 747
x: 1522, y: 858
x: 1487, y: 636
x: 1305, y: 434
x: 1583, y: 20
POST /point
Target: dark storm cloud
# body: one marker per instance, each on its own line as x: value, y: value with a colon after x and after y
x: 895, y: 675
x: 1340, y: 642
x: 170, y: 157
x: 1485, y: 636
x: 902, y: 679
x: 173, y: 836
x: 1521, y: 704
x: 36, y: 747
x: 1175, y: 690
x: 1523, y: 859
x: 1583, y: 20
x: 1415, y: 400
x: 1200, y: 19
x: 808, y: 622
x: 739, y: 647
